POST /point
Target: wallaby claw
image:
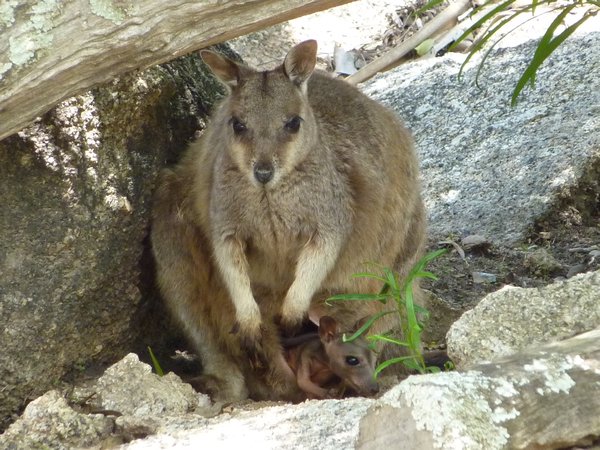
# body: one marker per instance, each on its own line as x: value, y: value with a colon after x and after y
x: 252, y: 345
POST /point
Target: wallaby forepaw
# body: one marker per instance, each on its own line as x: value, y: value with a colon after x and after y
x: 333, y: 393
x: 289, y: 325
x: 250, y: 334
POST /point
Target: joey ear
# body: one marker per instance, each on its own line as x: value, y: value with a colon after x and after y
x: 300, y: 62
x: 328, y: 328
x: 359, y: 323
x: 227, y: 71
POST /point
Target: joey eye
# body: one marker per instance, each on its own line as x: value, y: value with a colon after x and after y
x: 238, y: 126
x: 352, y: 360
x: 292, y: 125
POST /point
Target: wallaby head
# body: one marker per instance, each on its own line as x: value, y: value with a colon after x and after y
x: 266, y: 122
x: 354, y: 362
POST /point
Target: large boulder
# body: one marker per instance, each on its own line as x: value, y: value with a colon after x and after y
x: 491, y: 169
x: 511, y: 319
x: 76, y: 188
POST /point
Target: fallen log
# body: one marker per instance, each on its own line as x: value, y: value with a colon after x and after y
x: 52, y: 50
x: 446, y: 19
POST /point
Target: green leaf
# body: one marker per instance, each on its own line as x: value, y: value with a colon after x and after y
x: 385, y: 364
x: 412, y: 364
x: 545, y: 48
x: 429, y: 5
x: 370, y: 275
x: 155, y: 363
x: 449, y: 365
x: 385, y: 289
x: 391, y: 280
x: 384, y: 338
x: 478, y: 44
x: 497, y: 28
x: 424, y: 47
x: 365, y: 326
x: 434, y: 255
x: 356, y: 297
x: 501, y: 7
x: 426, y: 274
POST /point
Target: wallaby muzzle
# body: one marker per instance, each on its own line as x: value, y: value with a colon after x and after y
x: 263, y: 172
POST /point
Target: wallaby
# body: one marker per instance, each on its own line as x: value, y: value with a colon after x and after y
x: 323, y: 358
x: 298, y: 180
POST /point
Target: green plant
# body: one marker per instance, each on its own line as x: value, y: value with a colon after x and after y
x: 506, y: 12
x: 155, y: 363
x: 411, y: 315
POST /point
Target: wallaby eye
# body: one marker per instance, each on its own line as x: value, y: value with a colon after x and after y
x: 352, y: 360
x: 293, y: 125
x: 238, y: 126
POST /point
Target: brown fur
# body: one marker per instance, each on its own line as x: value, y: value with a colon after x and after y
x: 236, y: 255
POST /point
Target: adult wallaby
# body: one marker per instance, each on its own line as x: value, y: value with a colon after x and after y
x: 326, y: 366
x: 298, y: 180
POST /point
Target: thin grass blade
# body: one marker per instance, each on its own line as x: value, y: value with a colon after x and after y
x: 384, y: 338
x: 389, y: 362
x: 501, y: 7
x: 356, y: 297
x: 545, y: 50
x: 365, y: 326
x: 155, y: 363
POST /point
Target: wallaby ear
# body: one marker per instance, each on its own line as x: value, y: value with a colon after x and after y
x: 226, y: 70
x: 300, y: 62
x: 328, y: 328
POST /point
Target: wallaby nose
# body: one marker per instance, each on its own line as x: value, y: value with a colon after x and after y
x: 263, y: 172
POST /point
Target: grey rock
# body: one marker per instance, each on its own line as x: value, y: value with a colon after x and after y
x: 75, y: 189
x: 475, y: 241
x: 487, y: 167
x: 130, y: 388
x: 540, y: 398
x: 48, y: 422
x: 512, y: 319
x: 576, y: 269
x: 483, y: 277
x: 312, y: 425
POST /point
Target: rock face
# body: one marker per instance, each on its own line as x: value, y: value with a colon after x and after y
x: 511, y: 319
x: 491, y: 169
x: 75, y: 191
